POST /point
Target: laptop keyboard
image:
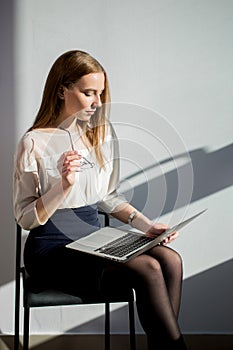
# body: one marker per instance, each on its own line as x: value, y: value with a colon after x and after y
x: 124, y: 245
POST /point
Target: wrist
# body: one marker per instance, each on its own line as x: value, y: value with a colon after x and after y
x: 131, y: 217
x: 66, y: 185
x: 140, y: 222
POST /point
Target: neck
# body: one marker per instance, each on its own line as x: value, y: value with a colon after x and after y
x: 64, y: 122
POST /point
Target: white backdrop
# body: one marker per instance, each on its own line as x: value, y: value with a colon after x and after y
x: 170, y: 70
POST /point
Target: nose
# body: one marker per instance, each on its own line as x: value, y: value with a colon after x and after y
x: 97, y: 101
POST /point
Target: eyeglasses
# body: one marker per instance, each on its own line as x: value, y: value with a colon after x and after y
x: 84, y: 162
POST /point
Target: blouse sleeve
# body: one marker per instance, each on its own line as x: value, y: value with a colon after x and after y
x: 25, y: 184
x: 113, y: 198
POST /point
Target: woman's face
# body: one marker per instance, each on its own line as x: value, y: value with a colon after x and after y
x: 84, y: 97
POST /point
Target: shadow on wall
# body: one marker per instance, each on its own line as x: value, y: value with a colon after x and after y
x: 204, y: 301
x: 212, y: 172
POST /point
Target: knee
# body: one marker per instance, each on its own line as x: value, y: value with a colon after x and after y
x: 151, y: 266
x: 145, y: 265
x: 177, y: 259
x: 173, y: 261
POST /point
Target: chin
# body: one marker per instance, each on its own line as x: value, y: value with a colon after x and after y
x: 84, y: 118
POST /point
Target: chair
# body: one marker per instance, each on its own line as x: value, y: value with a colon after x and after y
x: 52, y: 297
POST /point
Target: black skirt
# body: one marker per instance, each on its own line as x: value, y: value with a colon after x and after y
x: 51, y: 264
x: 64, y: 226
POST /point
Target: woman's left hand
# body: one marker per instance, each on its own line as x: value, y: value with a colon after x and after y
x: 156, y: 229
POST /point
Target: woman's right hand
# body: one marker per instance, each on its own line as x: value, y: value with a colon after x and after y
x: 70, y: 166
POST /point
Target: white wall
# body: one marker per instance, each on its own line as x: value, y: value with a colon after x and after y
x: 169, y: 64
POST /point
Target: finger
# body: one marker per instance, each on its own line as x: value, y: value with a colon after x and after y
x: 70, y: 153
x: 174, y: 235
x: 165, y: 241
x: 71, y: 169
x: 74, y: 162
x: 171, y: 238
x: 71, y: 163
x: 72, y: 157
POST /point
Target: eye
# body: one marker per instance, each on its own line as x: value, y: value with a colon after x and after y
x: 87, y: 93
x: 90, y: 93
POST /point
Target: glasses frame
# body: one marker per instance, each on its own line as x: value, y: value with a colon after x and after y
x: 84, y: 162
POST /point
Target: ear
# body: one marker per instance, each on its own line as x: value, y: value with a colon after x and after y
x: 61, y: 92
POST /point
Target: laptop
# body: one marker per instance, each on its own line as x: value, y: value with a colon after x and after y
x: 121, y: 245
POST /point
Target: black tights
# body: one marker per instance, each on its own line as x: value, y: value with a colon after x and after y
x: 157, y: 280
x: 156, y: 277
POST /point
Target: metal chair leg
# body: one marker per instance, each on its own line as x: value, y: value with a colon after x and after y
x: 17, y: 305
x: 107, y: 326
x: 17, y: 286
x: 132, y: 326
x: 26, y: 328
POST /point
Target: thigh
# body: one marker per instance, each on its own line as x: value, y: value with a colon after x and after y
x: 76, y: 273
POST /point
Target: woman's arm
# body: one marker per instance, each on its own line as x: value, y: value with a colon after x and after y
x: 32, y: 209
x: 126, y: 213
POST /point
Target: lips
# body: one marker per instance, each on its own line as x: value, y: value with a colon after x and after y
x: 91, y: 112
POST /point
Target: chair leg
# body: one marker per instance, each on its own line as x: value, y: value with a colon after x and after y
x: 17, y: 287
x: 132, y: 326
x: 26, y: 328
x: 107, y: 326
x: 16, y: 335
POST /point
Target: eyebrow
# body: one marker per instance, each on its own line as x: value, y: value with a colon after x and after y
x: 91, y: 89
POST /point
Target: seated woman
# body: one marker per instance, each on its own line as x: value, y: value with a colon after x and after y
x: 66, y: 168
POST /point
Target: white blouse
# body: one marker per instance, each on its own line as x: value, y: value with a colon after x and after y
x: 37, y: 173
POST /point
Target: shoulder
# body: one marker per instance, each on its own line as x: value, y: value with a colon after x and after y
x: 30, y: 141
x: 24, y: 154
x: 36, y: 137
x: 26, y: 143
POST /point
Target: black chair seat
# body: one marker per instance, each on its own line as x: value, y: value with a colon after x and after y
x: 50, y: 297
x: 34, y: 297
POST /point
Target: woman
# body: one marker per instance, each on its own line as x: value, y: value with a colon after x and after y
x: 66, y: 168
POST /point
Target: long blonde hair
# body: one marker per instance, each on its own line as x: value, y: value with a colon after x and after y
x: 67, y: 70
